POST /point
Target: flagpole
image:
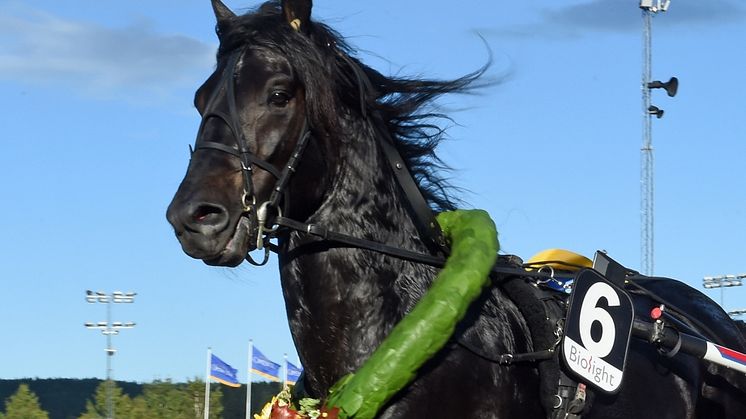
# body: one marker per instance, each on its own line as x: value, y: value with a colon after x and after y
x: 207, y: 383
x: 248, y: 380
x: 285, y: 372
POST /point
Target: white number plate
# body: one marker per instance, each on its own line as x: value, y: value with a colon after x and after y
x: 597, y: 331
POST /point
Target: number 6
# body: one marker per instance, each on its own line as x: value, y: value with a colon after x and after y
x: 590, y: 312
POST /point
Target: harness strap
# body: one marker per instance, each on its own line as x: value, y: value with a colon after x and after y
x: 324, y: 233
x: 508, y: 359
x: 504, y: 270
x: 423, y: 216
x: 571, y: 399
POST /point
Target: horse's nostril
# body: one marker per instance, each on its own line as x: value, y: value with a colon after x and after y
x: 207, y: 214
x: 205, y: 218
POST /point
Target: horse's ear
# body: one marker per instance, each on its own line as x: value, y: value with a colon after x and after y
x: 298, y: 14
x: 222, y: 12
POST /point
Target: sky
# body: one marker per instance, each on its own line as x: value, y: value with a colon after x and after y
x: 97, y: 114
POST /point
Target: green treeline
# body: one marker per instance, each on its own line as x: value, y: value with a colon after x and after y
x: 86, y: 399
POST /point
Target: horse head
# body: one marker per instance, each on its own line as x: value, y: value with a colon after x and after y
x: 254, y: 115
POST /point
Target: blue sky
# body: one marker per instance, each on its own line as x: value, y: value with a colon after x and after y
x: 97, y: 114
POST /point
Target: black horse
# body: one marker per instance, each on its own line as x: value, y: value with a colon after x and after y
x: 288, y: 101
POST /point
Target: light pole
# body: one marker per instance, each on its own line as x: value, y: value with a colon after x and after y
x: 723, y: 281
x: 109, y: 328
x: 647, y: 181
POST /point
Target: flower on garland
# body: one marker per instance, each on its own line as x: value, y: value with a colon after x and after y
x: 282, y: 407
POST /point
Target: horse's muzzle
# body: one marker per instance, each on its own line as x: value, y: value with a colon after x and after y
x: 204, y: 231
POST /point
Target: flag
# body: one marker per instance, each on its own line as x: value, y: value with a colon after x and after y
x: 261, y: 365
x: 293, y: 373
x: 223, y: 373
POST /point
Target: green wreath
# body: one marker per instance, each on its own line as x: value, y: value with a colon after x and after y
x: 430, y: 324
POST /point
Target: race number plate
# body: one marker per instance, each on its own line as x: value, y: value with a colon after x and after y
x: 597, y: 331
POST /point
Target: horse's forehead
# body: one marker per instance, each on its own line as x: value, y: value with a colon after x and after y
x: 252, y: 69
x: 249, y: 69
x: 263, y: 60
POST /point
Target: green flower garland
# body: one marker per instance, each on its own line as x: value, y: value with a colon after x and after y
x: 431, y: 322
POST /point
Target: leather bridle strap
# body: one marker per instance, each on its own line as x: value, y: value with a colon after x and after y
x: 290, y: 167
x: 243, y: 156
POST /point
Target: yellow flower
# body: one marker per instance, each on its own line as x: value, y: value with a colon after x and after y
x: 266, y: 410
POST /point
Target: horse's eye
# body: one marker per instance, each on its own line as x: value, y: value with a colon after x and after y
x: 279, y: 98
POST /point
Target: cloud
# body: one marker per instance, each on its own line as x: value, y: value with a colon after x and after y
x: 620, y: 16
x: 40, y: 48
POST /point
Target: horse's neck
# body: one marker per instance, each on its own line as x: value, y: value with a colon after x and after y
x: 342, y: 302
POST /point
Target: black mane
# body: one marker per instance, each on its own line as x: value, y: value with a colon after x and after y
x: 323, y: 62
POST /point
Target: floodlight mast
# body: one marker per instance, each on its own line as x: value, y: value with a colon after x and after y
x: 109, y: 328
x: 647, y: 236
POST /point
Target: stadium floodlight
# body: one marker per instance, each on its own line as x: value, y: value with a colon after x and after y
x: 722, y: 282
x: 738, y: 312
x: 96, y: 297
x: 655, y: 6
x: 123, y: 297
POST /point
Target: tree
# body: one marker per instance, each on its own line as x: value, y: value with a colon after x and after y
x: 24, y: 405
x: 196, y: 393
x: 163, y: 399
x: 124, y: 407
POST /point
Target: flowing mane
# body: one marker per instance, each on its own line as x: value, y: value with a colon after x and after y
x: 404, y: 104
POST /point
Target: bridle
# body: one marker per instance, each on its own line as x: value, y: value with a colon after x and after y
x: 269, y: 214
x: 257, y: 212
